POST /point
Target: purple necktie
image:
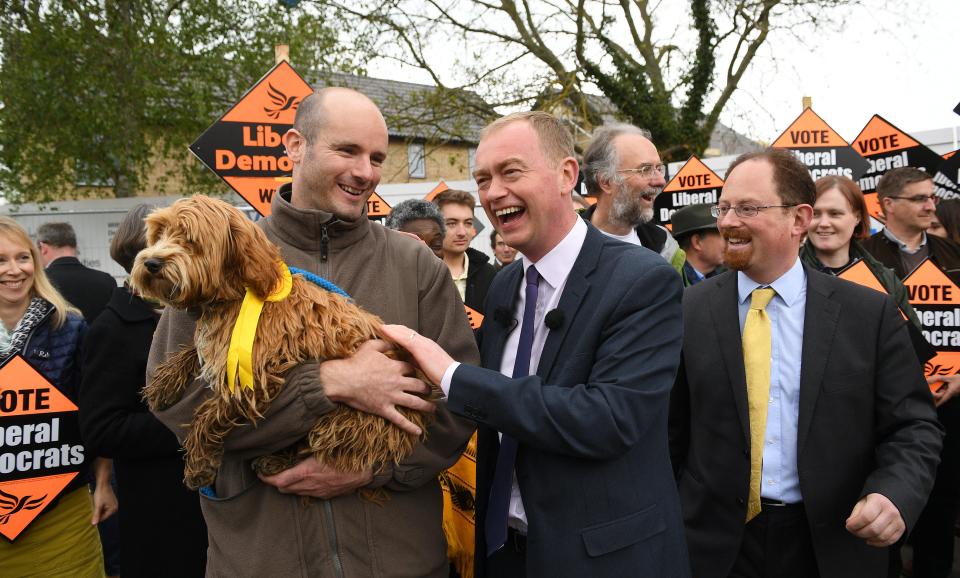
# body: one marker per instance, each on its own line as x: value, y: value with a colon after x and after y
x: 495, y: 528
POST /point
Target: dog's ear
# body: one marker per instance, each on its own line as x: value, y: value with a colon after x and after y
x: 256, y: 257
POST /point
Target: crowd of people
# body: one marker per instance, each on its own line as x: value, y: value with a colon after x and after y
x: 707, y: 400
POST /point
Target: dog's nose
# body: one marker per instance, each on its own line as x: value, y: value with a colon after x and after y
x: 153, y: 265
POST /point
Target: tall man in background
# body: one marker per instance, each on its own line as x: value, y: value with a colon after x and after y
x: 909, y: 205
x: 622, y: 170
x: 470, y: 269
x: 87, y: 289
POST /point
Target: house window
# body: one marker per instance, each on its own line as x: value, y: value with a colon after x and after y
x: 416, y: 164
x: 471, y: 161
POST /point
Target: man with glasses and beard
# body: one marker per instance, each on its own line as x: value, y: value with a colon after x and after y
x: 622, y: 169
x: 802, y: 432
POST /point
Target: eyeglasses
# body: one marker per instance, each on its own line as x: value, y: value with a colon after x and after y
x: 744, y: 211
x: 646, y: 170
x: 918, y: 199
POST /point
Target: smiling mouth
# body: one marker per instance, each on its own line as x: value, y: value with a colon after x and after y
x: 509, y: 214
x: 351, y: 190
x: 13, y: 284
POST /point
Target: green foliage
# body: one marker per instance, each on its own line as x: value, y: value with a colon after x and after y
x: 109, y: 91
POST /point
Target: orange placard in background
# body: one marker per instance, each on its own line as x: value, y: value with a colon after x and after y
x: 244, y: 146
x: 936, y: 299
x: 21, y: 501
x: 474, y: 317
x: 41, y: 451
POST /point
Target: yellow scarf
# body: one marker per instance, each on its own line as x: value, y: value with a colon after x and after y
x: 240, y: 353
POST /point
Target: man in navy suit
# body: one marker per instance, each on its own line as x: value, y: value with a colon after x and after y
x: 580, y: 349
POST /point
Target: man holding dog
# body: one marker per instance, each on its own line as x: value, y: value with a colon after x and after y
x: 579, y: 354
x: 265, y: 527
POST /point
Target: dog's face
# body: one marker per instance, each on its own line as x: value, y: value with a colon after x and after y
x: 202, y: 250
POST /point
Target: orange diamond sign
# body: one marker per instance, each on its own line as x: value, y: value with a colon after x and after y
x: 244, y: 147
x: 40, y: 446
x: 937, y: 303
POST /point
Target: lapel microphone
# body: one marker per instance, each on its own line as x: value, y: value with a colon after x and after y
x: 554, y: 319
x: 503, y: 317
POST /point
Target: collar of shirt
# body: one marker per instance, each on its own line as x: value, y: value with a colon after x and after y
x: 556, y: 265
x: 903, y: 247
x: 466, y: 269
x: 789, y: 286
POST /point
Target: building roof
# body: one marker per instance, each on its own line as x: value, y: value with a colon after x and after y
x: 419, y: 111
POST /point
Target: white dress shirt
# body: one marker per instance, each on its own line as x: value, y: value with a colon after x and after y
x: 554, y: 269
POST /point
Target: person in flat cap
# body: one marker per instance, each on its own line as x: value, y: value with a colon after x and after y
x: 695, y: 229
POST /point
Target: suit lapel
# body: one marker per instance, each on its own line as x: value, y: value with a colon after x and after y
x: 819, y: 329
x: 574, y: 291
x: 724, y: 308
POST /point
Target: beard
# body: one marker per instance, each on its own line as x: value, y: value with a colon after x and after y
x: 739, y: 260
x: 628, y: 209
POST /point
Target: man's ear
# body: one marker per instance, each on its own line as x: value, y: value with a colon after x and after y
x: 802, y: 219
x: 696, y: 242
x: 569, y: 170
x: 294, y: 143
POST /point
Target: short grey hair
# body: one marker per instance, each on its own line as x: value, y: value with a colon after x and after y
x: 57, y: 235
x: 411, y: 210
x: 600, y: 160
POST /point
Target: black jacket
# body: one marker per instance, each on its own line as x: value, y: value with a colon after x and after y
x: 160, y: 520
x: 651, y: 236
x: 87, y: 289
x: 479, y: 275
x: 946, y: 254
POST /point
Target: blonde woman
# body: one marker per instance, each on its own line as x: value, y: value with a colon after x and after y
x: 37, y: 323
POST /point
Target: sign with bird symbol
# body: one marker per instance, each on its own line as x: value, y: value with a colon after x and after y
x: 243, y: 147
x: 41, y: 451
x: 936, y: 299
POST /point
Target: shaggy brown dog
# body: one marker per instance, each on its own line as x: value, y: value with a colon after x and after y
x: 203, y: 254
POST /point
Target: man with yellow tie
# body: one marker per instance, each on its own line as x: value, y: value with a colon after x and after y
x: 802, y: 432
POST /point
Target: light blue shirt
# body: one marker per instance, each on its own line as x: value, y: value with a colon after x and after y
x: 780, y: 479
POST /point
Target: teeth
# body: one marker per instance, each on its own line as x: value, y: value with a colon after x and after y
x: 351, y: 190
x: 508, y: 211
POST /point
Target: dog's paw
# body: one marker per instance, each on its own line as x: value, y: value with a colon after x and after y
x: 171, y: 378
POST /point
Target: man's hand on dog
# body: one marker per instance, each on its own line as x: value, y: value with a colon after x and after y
x: 372, y: 382
x: 430, y: 357
x: 311, y: 478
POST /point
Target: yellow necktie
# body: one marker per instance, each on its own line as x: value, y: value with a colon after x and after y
x: 756, y: 363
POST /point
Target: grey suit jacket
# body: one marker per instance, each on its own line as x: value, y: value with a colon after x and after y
x: 866, y: 422
x: 593, y: 462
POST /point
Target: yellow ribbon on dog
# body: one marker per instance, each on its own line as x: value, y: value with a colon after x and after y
x: 240, y: 353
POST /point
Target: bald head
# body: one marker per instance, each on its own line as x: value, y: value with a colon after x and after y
x: 338, y: 144
x: 313, y: 111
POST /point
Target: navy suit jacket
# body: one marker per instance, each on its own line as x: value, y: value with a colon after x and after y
x: 866, y: 423
x: 593, y: 463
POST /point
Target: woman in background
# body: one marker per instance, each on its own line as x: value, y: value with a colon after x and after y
x: 840, y: 221
x: 160, y: 521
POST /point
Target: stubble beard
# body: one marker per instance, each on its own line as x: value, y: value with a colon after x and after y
x: 627, y: 208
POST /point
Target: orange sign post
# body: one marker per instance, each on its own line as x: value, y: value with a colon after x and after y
x: 377, y: 207
x: 936, y: 300
x: 243, y: 147
x: 887, y: 147
x: 474, y: 317
x: 820, y: 148
x: 441, y: 186
x: 40, y: 447
x: 694, y: 184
